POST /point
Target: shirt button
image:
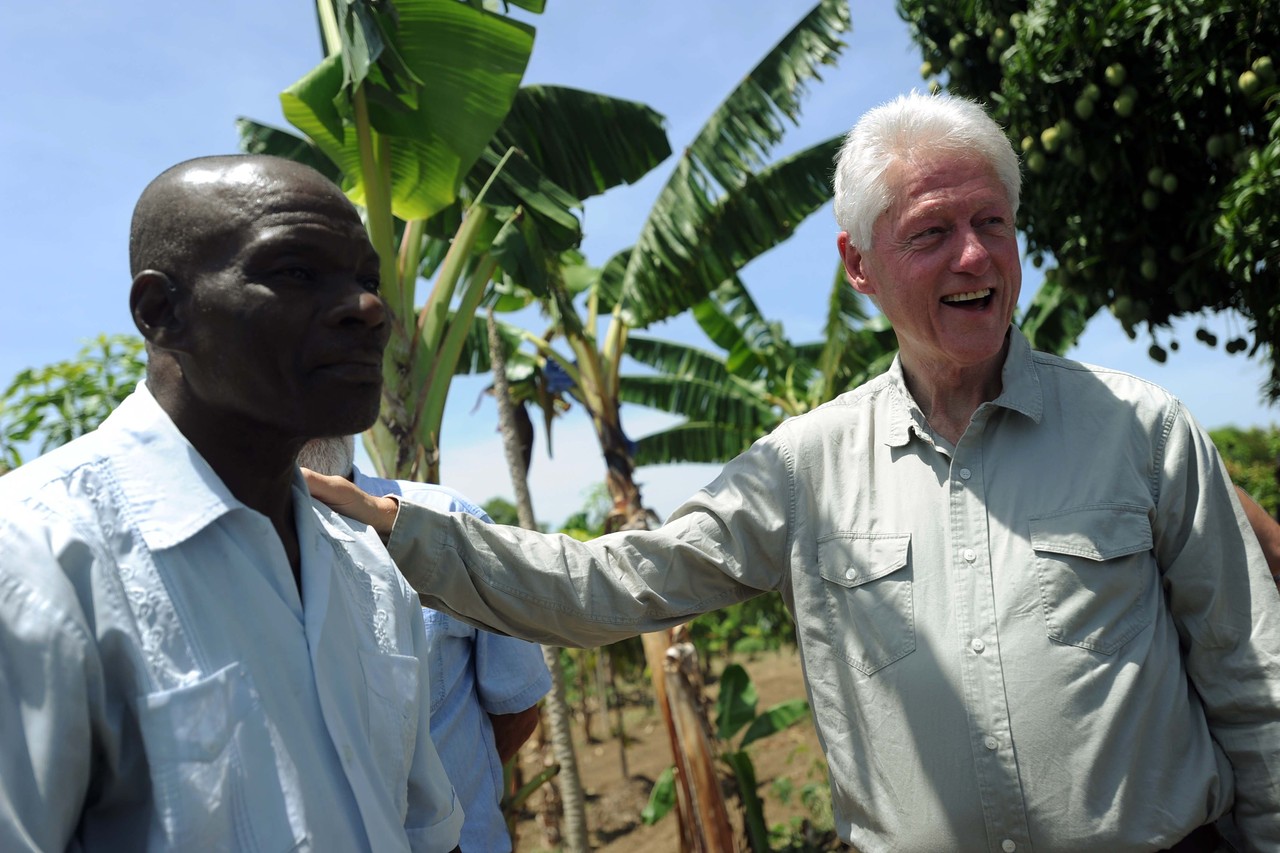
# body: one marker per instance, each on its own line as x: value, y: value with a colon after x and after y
x: 965, y: 473
x: 991, y: 743
x: 1008, y: 846
x: 851, y: 574
x: 978, y: 645
x: 969, y: 555
x: 347, y: 755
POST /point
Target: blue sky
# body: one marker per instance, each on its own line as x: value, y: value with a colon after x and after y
x: 105, y: 96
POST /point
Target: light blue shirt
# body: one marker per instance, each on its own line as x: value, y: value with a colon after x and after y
x: 166, y: 687
x: 473, y: 674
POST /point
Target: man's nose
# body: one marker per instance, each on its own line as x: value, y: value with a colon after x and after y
x: 974, y: 256
x: 371, y: 309
x: 361, y: 305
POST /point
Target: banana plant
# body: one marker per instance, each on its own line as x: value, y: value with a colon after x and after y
x: 418, y: 114
x: 724, y: 204
x: 736, y: 715
x: 405, y: 103
x: 730, y: 399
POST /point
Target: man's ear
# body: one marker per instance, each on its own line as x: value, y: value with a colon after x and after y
x: 854, y: 265
x: 158, y: 305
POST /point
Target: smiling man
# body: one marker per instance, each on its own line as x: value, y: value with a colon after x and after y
x: 195, y: 655
x: 1031, y: 612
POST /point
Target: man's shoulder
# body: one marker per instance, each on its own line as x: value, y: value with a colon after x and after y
x: 1078, y: 378
x: 55, y: 479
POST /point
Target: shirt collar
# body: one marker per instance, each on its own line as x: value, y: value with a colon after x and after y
x: 1020, y: 380
x: 170, y: 490
x: 1020, y: 392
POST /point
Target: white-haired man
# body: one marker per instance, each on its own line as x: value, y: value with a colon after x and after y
x: 1031, y: 613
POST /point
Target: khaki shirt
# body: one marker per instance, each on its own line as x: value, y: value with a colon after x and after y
x: 1058, y: 634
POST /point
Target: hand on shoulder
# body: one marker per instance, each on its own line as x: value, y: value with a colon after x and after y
x: 345, y: 497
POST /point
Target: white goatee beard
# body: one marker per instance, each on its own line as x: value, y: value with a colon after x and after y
x: 334, y: 456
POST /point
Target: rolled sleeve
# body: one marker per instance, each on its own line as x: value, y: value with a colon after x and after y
x: 511, y: 674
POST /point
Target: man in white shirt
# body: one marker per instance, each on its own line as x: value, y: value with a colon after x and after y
x: 196, y: 656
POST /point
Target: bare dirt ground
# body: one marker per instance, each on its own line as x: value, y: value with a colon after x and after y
x: 785, y: 763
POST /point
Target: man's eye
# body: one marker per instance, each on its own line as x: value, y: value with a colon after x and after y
x: 295, y: 273
x: 372, y: 284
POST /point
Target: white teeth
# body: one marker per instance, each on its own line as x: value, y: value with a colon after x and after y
x: 965, y: 297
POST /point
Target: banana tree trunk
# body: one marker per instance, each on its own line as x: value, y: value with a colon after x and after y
x: 700, y: 806
x: 557, y: 709
x: 697, y: 761
x: 628, y: 511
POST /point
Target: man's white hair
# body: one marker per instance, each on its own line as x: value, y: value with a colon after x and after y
x: 335, y: 456
x: 910, y: 127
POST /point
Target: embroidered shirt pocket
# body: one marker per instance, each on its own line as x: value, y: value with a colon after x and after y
x: 1097, y: 574
x: 869, y: 609
x: 198, y: 739
x: 395, y: 697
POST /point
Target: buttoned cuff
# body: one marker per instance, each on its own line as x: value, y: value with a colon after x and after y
x: 418, y: 533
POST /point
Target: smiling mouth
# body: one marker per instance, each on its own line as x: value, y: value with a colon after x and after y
x: 973, y: 299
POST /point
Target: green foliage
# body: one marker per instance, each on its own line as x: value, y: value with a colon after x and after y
x: 49, y: 406
x: 399, y: 75
x: 588, y: 522
x: 1151, y: 132
x: 722, y: 205
x: 502, y: 511
x: 736, y: 712
x: 662, y: 798
x: 756, y: 625
x: 1253, y: 461
x: 812, y: 834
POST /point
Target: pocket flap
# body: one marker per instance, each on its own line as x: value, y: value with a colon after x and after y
x: 852, y: 559
x: 1095, y: 533
x: 194, y: 722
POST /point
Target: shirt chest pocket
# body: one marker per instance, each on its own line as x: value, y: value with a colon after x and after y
x: 1098, y: 579
x: 868, y: 604
x: 395, y: 697
x: 211, y: 752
